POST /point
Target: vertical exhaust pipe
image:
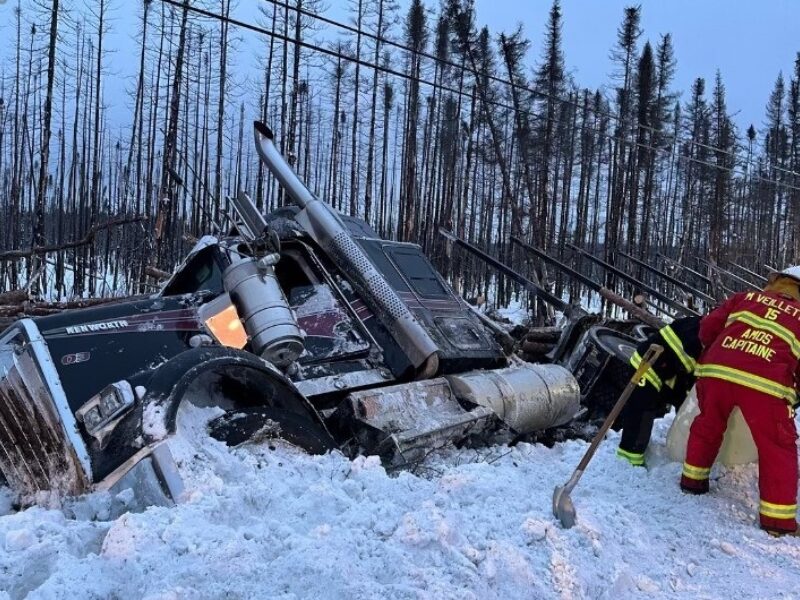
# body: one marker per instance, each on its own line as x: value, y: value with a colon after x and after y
x: 324, y: 226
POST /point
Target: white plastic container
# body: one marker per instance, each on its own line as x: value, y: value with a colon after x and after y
x: 737, y: 448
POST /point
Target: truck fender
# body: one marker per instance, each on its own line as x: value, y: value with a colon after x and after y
x: 264, y: 386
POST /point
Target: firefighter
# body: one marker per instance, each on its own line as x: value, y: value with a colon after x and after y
x: 666, y: 383
x: 752, y: 347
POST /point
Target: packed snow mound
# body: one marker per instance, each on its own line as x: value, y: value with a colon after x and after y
x: 262, y: 523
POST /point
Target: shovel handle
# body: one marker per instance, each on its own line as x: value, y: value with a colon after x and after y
x: 649, y: 358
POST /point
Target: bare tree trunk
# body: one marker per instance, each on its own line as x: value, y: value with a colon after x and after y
x: 223, y: 77
x: 265, y: 108
x: 291, y: 134
x: 373, y: 112
x: 167, y: 190
x: 354, y: 135
x: 38, y: 228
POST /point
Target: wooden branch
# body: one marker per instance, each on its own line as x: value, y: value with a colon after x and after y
x: 634, y: 310
x: 87, y: 239
x: 156, y: 273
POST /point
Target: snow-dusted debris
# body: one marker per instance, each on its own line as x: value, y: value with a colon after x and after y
x: 153, y: 421
x: 263, y: 523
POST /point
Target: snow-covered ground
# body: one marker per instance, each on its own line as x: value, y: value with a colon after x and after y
x: 262, y: 523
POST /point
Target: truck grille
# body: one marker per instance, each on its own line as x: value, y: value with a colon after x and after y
x: 35, y: 454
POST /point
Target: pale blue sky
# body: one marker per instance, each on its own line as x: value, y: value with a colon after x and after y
x: 749, y: 41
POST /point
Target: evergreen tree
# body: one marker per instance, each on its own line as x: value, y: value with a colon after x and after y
x: 646, y: 109
x: 723, y: 140
x: 624, y: 56
x: 549, y: 82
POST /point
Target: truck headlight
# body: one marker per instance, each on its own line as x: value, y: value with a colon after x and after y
x: 103, y: 411
x: 227, y: 328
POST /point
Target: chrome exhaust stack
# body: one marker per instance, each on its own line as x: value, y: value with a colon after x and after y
x: 325, y: 227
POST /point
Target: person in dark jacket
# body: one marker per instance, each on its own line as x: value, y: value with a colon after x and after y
x: 665, y: 384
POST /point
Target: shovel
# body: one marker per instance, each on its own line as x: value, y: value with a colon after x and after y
x: 563, y: 508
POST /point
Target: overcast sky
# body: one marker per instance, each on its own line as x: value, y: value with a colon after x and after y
x: 749, y: 41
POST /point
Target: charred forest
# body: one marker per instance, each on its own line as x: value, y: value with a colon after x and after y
x: 414, y: 118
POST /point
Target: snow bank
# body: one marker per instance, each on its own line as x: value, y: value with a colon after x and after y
x: 263, y: 523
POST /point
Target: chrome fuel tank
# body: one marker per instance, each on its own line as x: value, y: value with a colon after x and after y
x: 262, y: 306
x: 527, y: 397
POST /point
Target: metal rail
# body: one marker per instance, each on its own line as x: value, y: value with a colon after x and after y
x: 675, y: 263
x: 529, y: 285
x: 727, y: 273
x: 635, y: 311
x: 673, y: 280
x: 759, y: 278
x: 632, y: 280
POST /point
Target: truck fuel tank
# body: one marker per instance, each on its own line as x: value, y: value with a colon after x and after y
x: 526, y: 396
x: 404, y: 422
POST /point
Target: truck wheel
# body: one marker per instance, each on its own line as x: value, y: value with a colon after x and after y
x: 264, y: 423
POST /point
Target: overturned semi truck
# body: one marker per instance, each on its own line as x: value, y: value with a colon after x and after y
x: 302, y: 325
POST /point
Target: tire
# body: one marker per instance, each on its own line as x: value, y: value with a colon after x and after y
x: 255, y: 424
x: 608, y: 388
x: 615, y: 375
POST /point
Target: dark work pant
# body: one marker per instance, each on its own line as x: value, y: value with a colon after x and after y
x: 644, y: 406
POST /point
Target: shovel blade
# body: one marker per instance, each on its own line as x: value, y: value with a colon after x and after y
x: 563, y: 508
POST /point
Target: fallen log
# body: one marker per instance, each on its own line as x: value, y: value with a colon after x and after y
x: 156, y: 273
x: 13, y: 297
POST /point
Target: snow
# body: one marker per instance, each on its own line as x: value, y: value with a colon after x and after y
x: 515, y: 312
x: 261, y: 523
x: 153, y: 421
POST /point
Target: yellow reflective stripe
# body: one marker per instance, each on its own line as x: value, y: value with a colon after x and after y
x: 754, y: 382
x: 674, y: 342
x: 634, y: 458
x: 779, y: 330
x: 696, y: 473
x: 649, y: 375
x: 778, y: 511
x: 670, y: 383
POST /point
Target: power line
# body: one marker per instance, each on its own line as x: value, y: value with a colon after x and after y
x: 384, y: 40
x: 339, y: 55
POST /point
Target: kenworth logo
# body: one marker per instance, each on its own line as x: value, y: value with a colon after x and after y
x: 96, y: 327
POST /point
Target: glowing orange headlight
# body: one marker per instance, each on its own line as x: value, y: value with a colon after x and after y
x: 227, y: 328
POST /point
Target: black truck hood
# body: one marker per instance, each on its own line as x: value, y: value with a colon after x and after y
x: 94, y: 347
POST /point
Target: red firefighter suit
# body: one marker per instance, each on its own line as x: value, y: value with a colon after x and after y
x: 752, y: 349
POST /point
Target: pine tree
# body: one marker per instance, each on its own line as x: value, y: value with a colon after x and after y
x: 513, y: 49
x: 354, y: 182
x: 793, y: 114
x: 645, y: 85
x: 168, y: 183
x: 723, y: 140
x: 549, y: 82
x: 624, y: 55
x: 776, y: 155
